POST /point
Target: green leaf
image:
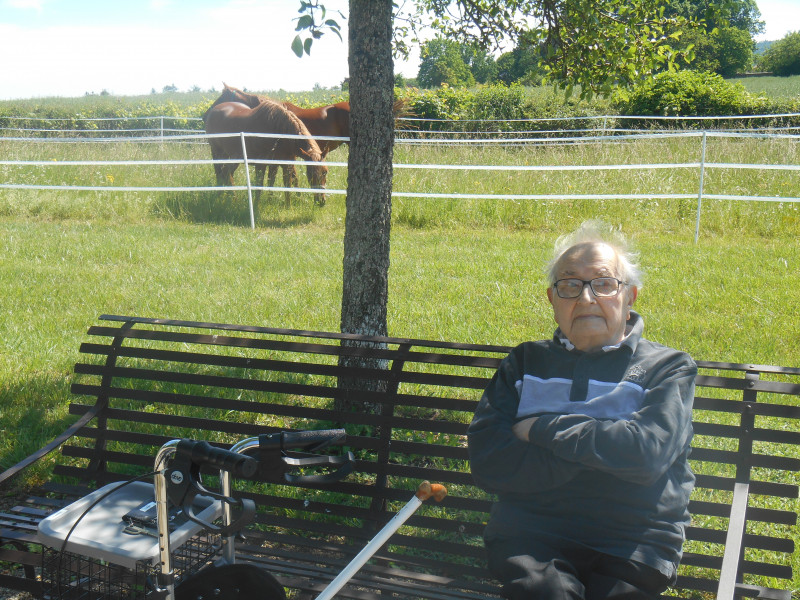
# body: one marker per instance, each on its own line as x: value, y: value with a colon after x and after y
x: 307, y: 45
x: 297, y: 46
x: 304, y: 22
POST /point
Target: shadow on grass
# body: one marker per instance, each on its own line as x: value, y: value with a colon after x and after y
x: 31, y: 410
x: 34, y: 413
x: 232, y: 208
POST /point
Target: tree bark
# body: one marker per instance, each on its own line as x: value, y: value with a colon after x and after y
x: 365, y: 289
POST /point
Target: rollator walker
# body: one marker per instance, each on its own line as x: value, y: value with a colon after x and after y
x: 174, y: 539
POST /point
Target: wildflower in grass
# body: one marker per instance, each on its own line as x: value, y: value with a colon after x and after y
x: 110, y: 178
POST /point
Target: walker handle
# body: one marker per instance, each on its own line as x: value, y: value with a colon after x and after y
x: 204, y: 454
x: 183, y: 481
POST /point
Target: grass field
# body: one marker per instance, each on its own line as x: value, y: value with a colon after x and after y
x: 466, y: 270
x: 772, y: 87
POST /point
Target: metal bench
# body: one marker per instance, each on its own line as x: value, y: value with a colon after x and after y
x: 141, y: 382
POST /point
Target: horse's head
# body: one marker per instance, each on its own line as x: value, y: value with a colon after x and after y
x: 232, y: 94
x: 317, y: 173
x: 228, y: 94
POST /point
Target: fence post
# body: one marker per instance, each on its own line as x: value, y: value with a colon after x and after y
x: 700, y: 193
x: 249, y: 188
x: 162, y: 127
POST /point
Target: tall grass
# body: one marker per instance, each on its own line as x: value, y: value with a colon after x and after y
x: 413, y: 175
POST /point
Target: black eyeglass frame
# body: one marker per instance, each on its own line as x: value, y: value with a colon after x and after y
x: 590, y: 283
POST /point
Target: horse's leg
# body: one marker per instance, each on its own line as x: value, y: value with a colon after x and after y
x: 219, y: 170
x: 220, y: 173
x: 260, y: 169
x: 289, y: 181
x: 224, y: 171
x: 225, y: 176
x: 273, y: 172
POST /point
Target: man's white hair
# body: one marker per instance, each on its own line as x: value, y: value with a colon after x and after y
x: 602, y: 233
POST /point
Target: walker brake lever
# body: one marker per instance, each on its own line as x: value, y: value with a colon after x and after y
x: 343, y: 466
x: 276, y: 460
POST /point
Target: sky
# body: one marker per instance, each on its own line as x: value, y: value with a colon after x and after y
x: 129, y: 47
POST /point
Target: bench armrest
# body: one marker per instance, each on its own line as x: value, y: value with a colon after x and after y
x: 44, y: 451
x: 733, y: 542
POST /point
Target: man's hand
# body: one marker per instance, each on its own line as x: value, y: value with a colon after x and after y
x: 523, y: 428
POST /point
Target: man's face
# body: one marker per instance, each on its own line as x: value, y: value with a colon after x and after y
x: 588, y: 321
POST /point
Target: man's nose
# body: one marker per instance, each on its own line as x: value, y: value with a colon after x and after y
x: 587, y: 295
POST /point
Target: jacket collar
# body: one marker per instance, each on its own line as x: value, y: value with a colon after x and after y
x: 634, y: 328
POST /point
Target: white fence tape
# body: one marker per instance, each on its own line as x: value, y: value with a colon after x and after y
x: 601, y: 121
x: 701, y: 166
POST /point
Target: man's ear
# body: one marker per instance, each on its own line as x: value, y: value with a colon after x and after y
x: 550, y: 294
x: 633, y: 292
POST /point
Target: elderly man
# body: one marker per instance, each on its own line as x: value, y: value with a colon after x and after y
x: 585, y: 439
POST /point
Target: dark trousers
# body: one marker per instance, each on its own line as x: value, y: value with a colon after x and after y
x: 531, y: 570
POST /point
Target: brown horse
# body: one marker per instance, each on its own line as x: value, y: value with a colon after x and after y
x: 267, y: 117
x: 332, y: 120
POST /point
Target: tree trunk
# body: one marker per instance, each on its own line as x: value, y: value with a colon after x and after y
x: 365, y: 288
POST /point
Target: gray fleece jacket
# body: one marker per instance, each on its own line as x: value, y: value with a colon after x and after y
x: 607, y: 462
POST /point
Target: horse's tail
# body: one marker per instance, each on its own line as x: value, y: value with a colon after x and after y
x: 400, y: 109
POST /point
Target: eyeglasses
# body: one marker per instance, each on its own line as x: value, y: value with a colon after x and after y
x: 602, y: 287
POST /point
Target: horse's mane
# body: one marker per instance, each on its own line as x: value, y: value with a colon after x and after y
x: 284, y: 121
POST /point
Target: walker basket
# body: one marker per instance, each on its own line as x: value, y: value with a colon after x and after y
x: 70, y: 576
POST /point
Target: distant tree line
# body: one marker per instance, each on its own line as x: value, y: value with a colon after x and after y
x: 721, y: 43
x: 783, y: 57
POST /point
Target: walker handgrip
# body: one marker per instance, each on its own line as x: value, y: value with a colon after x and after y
x: 204, y: 454
x: 302, y: 440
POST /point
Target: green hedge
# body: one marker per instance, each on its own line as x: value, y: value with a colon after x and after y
x: 690, y: 93
x: 86, y: 113
x: 75, y: 114
x: 499, y: 108
x: 489, y: 108
x: 684, y: 93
